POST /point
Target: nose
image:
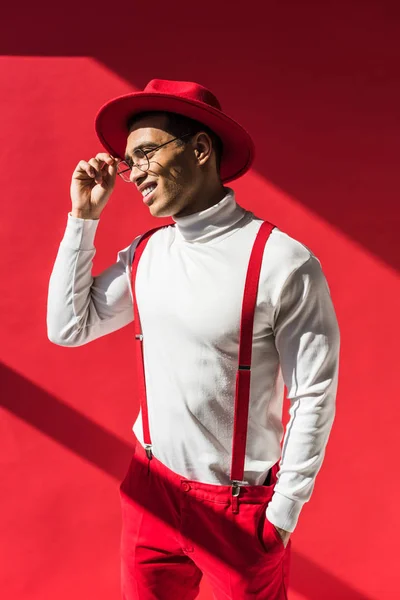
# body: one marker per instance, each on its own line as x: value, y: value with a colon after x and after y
x: 136, y: 174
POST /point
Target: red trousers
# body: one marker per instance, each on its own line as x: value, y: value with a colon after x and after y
x: 174, y: 530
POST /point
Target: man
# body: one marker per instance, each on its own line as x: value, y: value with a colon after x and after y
x: 209, y: 489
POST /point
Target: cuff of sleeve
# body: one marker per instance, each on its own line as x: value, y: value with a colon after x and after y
x: 79, y: 233
x: 284, y: 512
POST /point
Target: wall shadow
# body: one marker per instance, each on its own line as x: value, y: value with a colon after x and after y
x: 64, y: 424
x: 315, y: 84
x: 105, y: 450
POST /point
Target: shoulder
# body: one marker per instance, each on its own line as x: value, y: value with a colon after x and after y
x: 290, y: 252
x: 285, y: 258
x: 284, y: 254
x: 161, y: 233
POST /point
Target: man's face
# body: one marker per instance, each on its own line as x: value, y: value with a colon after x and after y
x: 172, y: 168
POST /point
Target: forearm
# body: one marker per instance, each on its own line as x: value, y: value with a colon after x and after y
x: 304, y: 444
x: 81, y: 307
x: 308, y: 340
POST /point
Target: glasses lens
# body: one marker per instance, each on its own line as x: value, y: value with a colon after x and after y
x: 140, y: 160
x: 124, y: 170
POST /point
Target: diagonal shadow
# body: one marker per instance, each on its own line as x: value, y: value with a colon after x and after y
x: 317, y: 89
x: 64, y: 424
x: 106, y: 451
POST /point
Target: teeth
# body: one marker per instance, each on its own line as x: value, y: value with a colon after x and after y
x: 148, y: 190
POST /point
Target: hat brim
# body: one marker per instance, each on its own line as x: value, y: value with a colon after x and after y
x: 238, y: 147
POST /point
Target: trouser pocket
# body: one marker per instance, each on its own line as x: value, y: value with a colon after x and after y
x: 267, y: 535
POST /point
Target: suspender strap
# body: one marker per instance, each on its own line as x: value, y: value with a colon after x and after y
x: 141, y: 381
x: 242, y: 396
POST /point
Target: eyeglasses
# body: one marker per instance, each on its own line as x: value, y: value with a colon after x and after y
x: 141, y: 158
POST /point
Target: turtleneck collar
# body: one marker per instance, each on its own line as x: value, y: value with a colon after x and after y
x: 213, y: 222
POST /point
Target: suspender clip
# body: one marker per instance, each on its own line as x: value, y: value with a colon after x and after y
x: 235, y: 495
x: 236, y: 487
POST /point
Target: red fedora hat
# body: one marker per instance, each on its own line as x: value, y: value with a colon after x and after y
x: 185, y: 98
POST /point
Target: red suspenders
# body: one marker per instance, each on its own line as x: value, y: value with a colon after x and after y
x: 141, y: 382
x: 242, y: 396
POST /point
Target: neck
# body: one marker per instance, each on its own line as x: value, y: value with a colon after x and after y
x: 217, y: 221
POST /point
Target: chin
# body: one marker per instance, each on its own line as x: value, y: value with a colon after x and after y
x: 163, y: 209
x: 159, y: 211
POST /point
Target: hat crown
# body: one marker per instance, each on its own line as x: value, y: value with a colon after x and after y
x: 184, y: 89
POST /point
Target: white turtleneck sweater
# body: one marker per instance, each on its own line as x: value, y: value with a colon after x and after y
x: 190, y: 284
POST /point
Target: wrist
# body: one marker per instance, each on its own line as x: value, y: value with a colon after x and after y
x: 82, y: 214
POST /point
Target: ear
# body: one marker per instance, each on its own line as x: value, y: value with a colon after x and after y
x: 202, y: 146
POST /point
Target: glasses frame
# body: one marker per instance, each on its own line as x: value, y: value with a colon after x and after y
x: 145, y: 153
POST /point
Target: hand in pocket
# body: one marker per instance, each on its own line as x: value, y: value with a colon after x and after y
x: 271, y: 537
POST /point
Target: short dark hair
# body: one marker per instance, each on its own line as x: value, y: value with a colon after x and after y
x: 178, y: 125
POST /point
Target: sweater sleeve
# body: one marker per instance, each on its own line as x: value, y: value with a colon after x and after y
x: 80, y: 307
x: 308, y: 341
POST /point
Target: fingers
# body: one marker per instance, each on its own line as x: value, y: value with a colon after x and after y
x: 110, y: 161
x: 98, y: 167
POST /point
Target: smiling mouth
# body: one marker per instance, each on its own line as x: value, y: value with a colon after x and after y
x: 148, y: 192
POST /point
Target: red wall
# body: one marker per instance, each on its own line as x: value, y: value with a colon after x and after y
x: 317, y: 86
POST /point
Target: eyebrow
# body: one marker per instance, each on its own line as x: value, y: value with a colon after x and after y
x: 140, y: 147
